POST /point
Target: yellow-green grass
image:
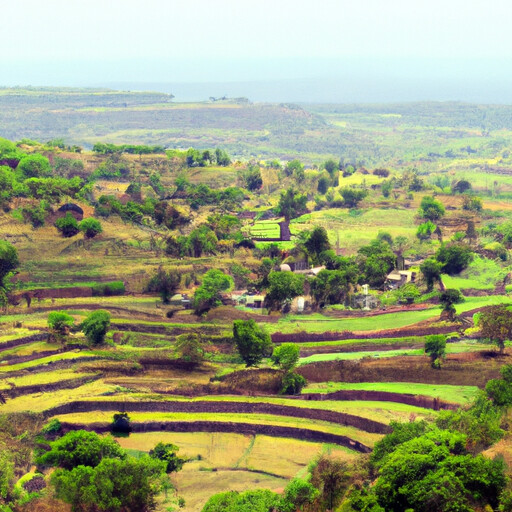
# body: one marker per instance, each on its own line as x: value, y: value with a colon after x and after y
x: 258, y: 419
x: 318, y: 323
x: 449, y: 393
x: 374, y: 341
x: 224, y: 450
x: 455, y: 348
x: 42, y: 378
x: 39, y: 402
x: 24, y: 350
x: 66, y: 356
x: 14, y: 334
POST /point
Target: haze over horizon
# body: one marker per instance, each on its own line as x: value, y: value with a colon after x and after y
x: 324, y: 51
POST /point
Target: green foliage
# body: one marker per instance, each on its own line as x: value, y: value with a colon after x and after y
x: 297, y: 495
x: 90, y: 227
x: 114, y: 485
x: 454, y: 257
x: 375, y: 261
x: 431, y: 209
x: 435, y: 347
x: 67, y: 225
x: 34, y: 166
x: 207, y: 296
x: 258, y: 500
x: 252, y: 178
x: 448, y: 298
x: 331, y: 477
x: 291, y: 204
x: 6, y: 473
x: 108, y: 289
x: 165, y: 283
x: 481, y: 423
x: 283, y: 287
x: 317, y: 242
x: 425, y: 230
x: 121, y: 423
x: 472, y: 203
x: 167, y: 453
x: 352, y: 196
x: 60, y: 321
x: 9, y: 260
x: 80, y: 448
x: 292, y: 383
x: 333, y: 286
x: 252, y: 341
x: 188, y: 348
x: 431, y: 271
x: 96, y: 325
x: 286, y: 356
x: 434, y: 472
x: 293, y: 167
x: 323, y: 184
x: 495, y: 324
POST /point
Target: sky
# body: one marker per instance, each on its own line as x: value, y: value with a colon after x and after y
x: 412, y: 47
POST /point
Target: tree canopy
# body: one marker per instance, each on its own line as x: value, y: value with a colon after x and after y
x: 252, y: 341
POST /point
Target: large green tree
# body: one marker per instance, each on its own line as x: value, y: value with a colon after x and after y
x: 208, y: 295
x: 454, y: 257
x: 96, y: 325
x: 431, y: 208
x: 291, y: 204
x: 495, y: 324
x: 283, y: 287
x: 252, y: 341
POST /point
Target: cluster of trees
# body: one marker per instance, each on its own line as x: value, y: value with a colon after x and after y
x: 95, y: 326
x: 139, y: 149
x: 94, y: 474
x: 68, y: 226
x: 9, y: 261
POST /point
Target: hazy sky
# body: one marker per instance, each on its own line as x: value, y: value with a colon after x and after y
x: 73, y: 42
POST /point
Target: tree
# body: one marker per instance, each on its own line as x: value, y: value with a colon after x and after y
x: 283, y: 287
x: 252, y: 177
x: 291, y: 204
x: 252, y: 342
x: 297, y: 495
x: 425, y: 230
x: 60, y: 322
x: 188, y: 348
x: 447, y: 299
x: 331, y: 476
x: 495, y: 324
x: 292, y: 383
x: 375, y: 262
x: 222, y: 157
x: 317, y: 242
x: 96, y: 325
x: 431, y: 271
x: 431, y: 209
x: 34, y: 166
x: 9, y: 260
x: 201, y: 240
x: 121, y: 423
x: 90, y: 227
x: 333, y: 286
x: 293, y: 167
x: 165, y: 283
x: 286, y: 356
x: 323, y: 184
x: 114, y: 485
x: 80, y: 448
x: 258, y: 500
x: 435, y: 347
x: 207, y: 296
x: 471, y: 203
x: 454, y: 258
x: 168, y: 453
x: 352, y: 196
x: 435, y: 472
x: 67, y: 225
x: 461, y: 186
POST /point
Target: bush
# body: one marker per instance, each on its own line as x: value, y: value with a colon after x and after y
x: 60, y: 322
x: 67, y: 225
x: 96, y: 325
x: 121, y: 423
x: 108, y: 289
x: 90, y: 227
x: 292, y: 383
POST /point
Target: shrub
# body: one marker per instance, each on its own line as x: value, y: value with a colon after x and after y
x: 67, y: 225
x: 435, y: 347
x: 121, y: 423
x: 292, y: 383
x: 108, y: 289
x: 90, y: 227
x: 96, y: 325
x: 60, y: 322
